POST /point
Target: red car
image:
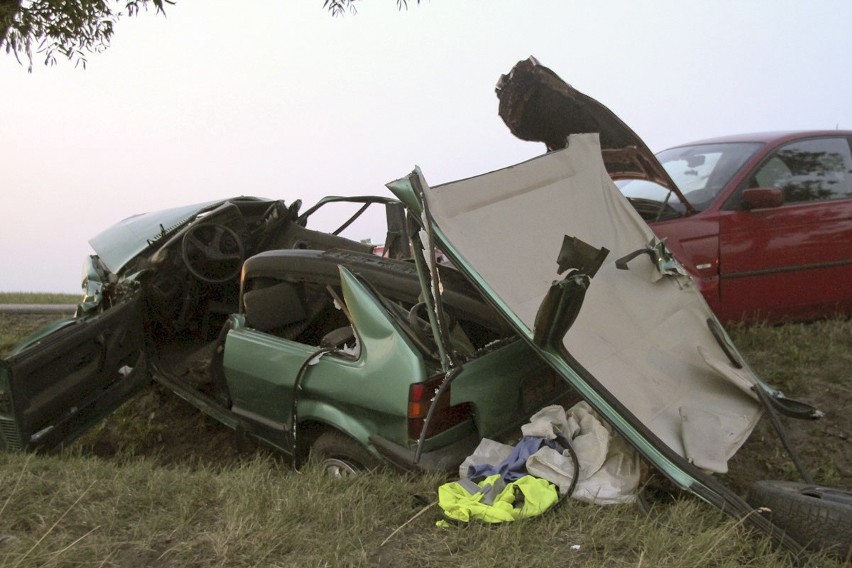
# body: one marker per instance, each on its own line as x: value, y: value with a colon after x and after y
x: 769, y: 233
x: 763, y: 222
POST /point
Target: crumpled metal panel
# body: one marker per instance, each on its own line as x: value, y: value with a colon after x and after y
x: 539, y: 106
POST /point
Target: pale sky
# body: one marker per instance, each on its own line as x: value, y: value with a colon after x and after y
x: 279, y: 99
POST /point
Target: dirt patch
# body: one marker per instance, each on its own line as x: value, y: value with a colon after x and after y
x: 162, y: 427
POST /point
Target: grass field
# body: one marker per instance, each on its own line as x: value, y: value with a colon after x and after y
x: 38, y: 298
x: 158, y: 484
x: 13, y: 328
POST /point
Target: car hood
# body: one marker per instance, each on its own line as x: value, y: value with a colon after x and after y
x: 538, y: 106
x: 120, y: 243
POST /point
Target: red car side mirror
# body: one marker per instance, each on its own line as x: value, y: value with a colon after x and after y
x: 762, y: 198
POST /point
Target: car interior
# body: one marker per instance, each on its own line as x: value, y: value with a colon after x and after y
x: 259, y: 259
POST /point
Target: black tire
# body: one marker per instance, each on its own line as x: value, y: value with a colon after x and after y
x: 340, y: 456
x: 819, y: 518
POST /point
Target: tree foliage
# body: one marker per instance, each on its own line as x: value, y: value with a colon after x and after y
x: 341, y: 7
x: 67, y: 28
x: 75, y: 28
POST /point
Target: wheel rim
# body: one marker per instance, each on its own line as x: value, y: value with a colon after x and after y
x: 338, y: 468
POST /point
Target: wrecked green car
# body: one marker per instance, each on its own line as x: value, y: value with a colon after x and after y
x: 306, y: 340
x: 490, y: 298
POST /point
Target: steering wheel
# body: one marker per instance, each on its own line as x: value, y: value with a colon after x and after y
x: 212, y: 252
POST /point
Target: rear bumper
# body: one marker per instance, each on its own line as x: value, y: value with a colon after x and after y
x: 446, y: 459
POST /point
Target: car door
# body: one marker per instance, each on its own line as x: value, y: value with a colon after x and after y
x: 361, y: 391
x: 795, y: 260
x: 56, y: 388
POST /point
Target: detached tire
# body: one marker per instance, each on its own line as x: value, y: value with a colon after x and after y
x: 339, y: 455
x: 819, y: 518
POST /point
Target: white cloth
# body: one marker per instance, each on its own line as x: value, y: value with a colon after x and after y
x: 609, y: 467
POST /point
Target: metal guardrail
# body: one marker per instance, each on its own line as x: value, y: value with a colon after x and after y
x: 38, y: 308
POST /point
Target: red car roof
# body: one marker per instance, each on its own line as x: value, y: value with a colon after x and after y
x: 768, y: 137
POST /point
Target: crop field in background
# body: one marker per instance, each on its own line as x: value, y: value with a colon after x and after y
x: 159, y: 484
x: 38, y: 298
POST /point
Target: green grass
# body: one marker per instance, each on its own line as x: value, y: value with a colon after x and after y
x: 13, y: 328
x: 171, y: 489
x: 16, y: 327
x: 787, y: 355
x: 75, y: 510
x: 38, y: 298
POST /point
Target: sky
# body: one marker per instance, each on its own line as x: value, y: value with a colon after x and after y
x: 279, y: 99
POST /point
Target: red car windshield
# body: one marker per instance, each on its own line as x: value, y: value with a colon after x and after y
x: 700, y: 172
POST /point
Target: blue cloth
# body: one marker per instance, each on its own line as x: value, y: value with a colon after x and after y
x: 513, y: 467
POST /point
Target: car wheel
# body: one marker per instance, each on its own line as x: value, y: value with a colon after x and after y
x: 340, y: 456
x: 817, y: 517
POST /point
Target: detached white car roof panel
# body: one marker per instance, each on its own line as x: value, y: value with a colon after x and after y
x: 643, y: 335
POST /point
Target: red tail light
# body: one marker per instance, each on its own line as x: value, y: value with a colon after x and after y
x: 420, y: 397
